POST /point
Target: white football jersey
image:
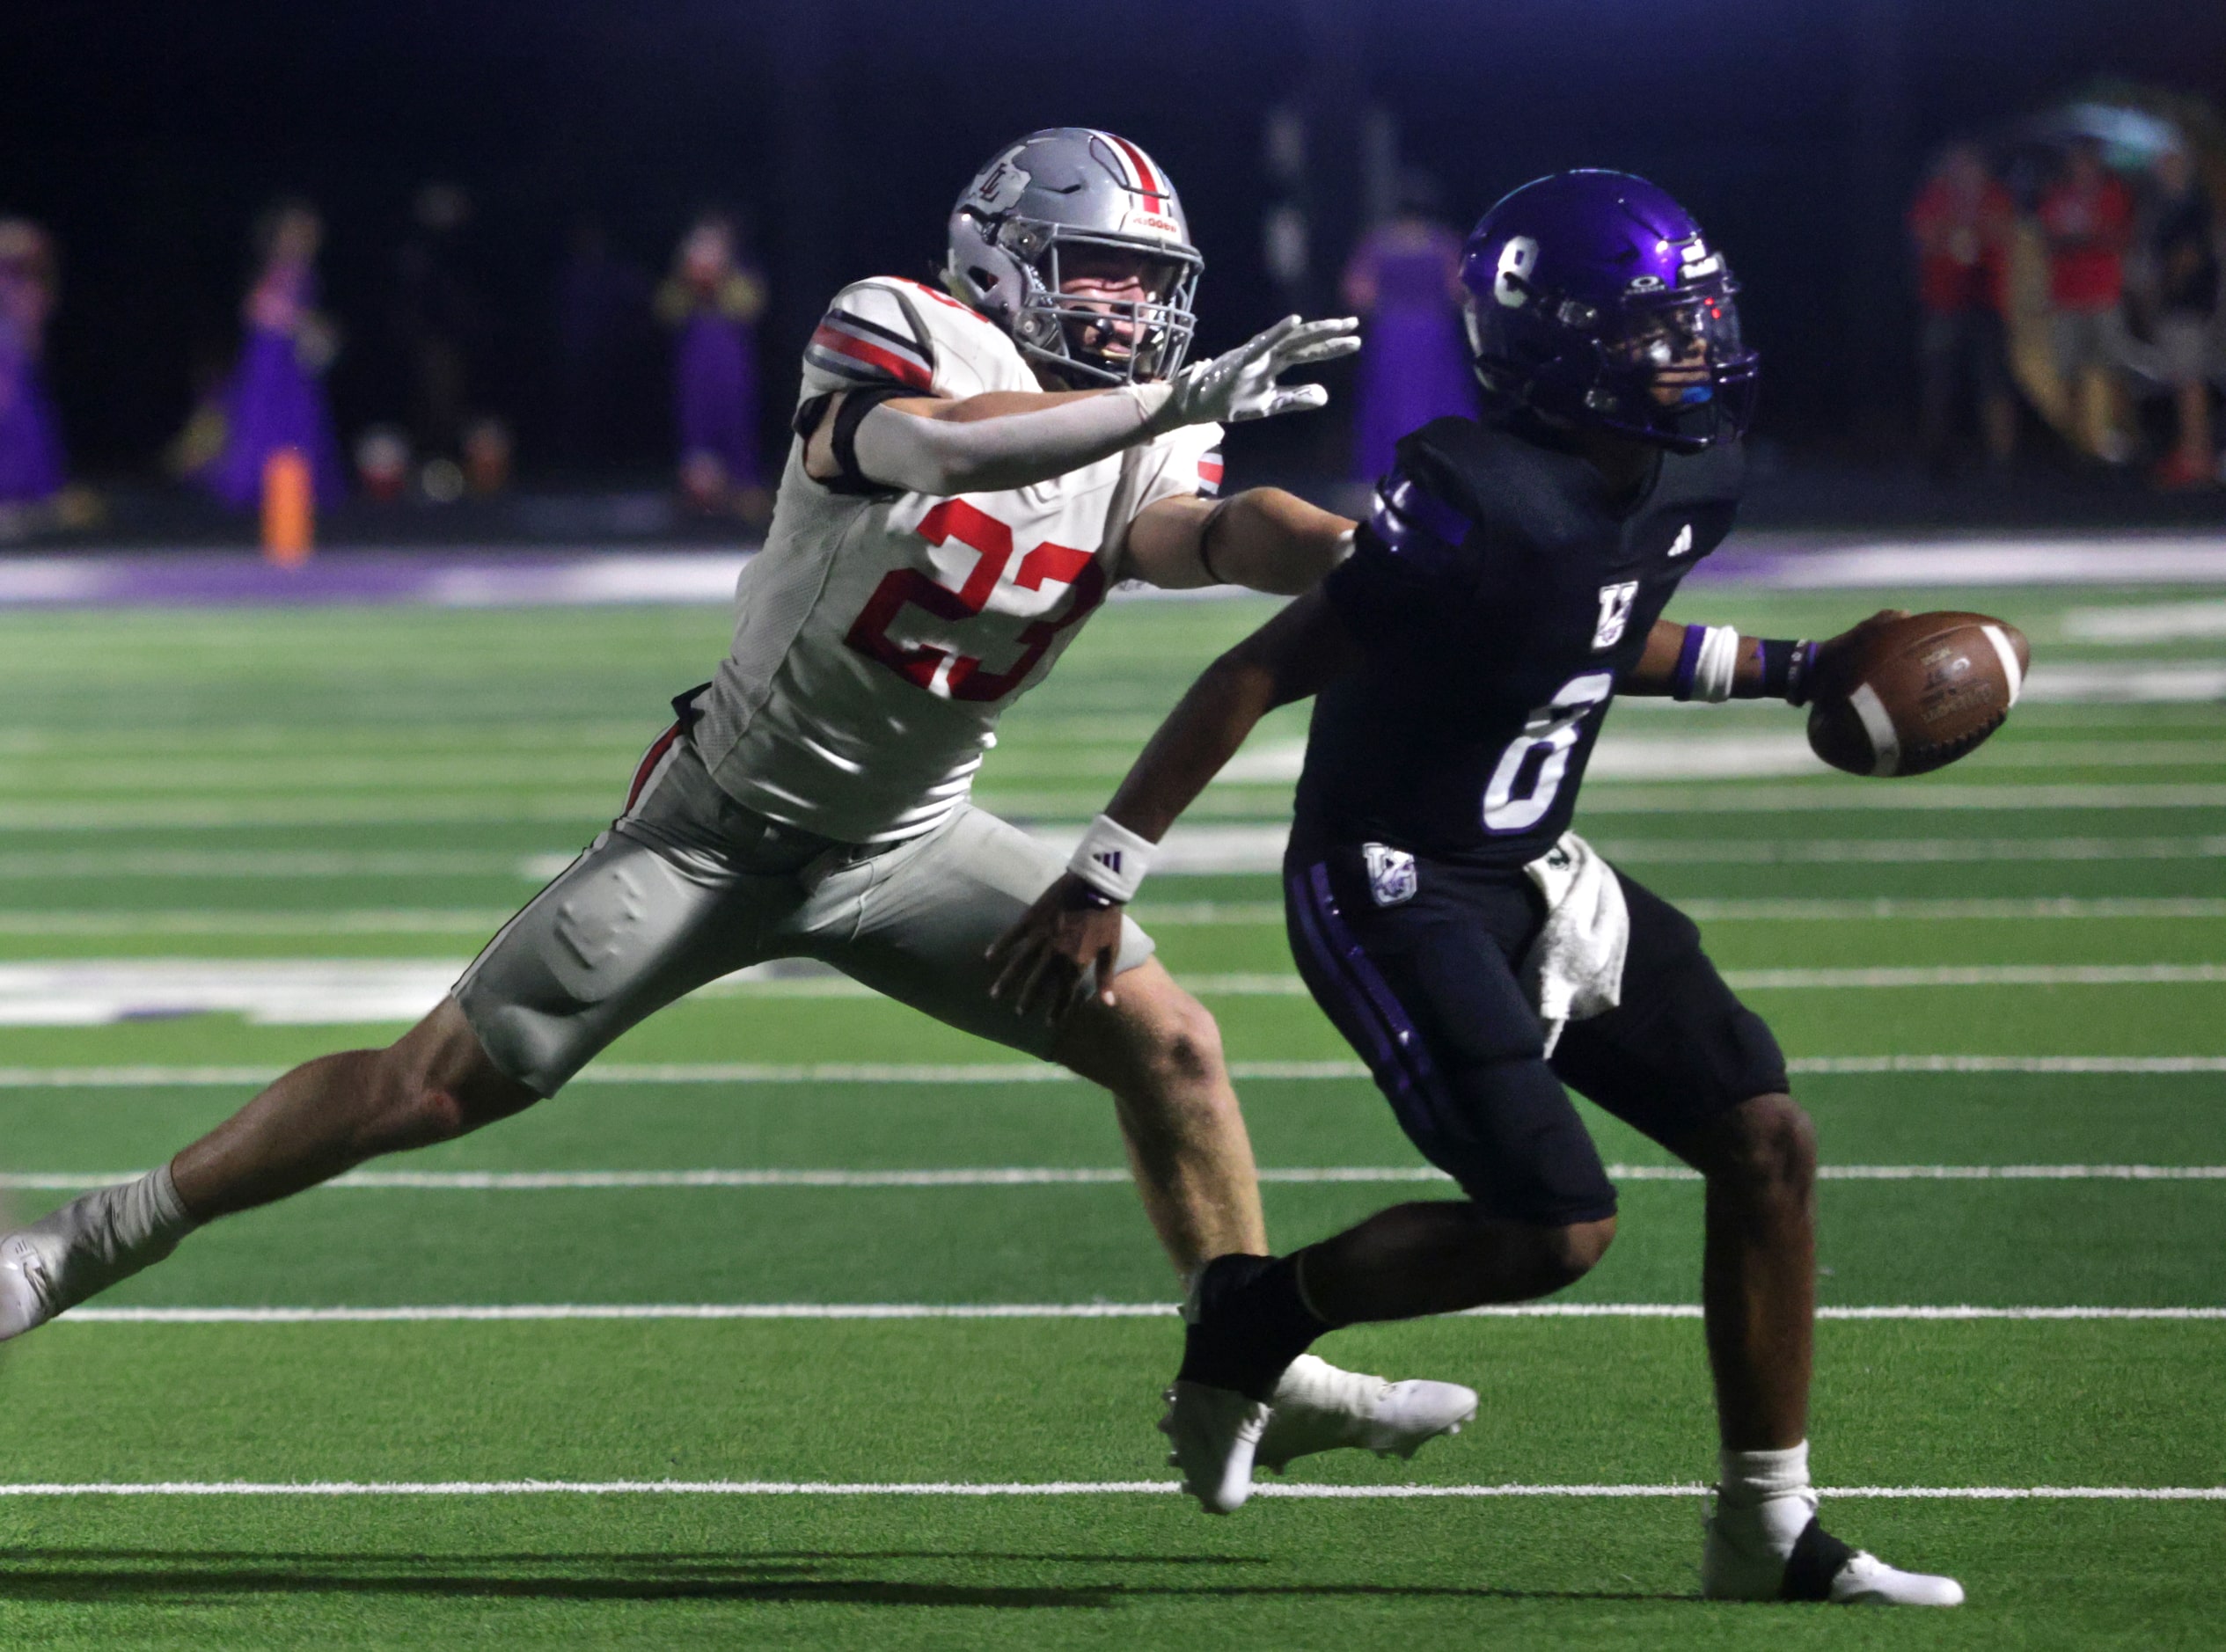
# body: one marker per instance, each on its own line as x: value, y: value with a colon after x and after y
x: 878, y: 637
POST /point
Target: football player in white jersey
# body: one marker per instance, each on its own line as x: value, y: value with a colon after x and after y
x: 972, y: 468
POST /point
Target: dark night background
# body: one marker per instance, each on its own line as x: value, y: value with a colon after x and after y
x: 148, y: 137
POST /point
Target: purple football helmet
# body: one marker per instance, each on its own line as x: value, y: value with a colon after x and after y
x: 1594, y: 301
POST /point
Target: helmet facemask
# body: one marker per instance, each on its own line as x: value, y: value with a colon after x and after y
x: 1088, y: 340
x: 1676, y: 372
x: 1670, y: 369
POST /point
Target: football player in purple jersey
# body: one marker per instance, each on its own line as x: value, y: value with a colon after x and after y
x: 1476, y: 952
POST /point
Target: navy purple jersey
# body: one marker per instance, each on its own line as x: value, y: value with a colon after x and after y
x: 1497, y: 594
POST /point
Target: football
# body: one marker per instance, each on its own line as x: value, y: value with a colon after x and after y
x: 1914, y: 694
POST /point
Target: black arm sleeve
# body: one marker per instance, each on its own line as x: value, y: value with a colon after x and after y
x: 848, y: 478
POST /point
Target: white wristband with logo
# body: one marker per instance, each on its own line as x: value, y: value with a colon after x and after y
x: 1111, y: 859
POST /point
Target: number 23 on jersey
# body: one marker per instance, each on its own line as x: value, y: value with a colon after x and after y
x: 945, y: 671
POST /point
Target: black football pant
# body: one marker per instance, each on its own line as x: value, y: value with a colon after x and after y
x: 1425, y: 990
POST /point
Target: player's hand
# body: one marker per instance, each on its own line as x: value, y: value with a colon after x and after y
x: 1834, y: 654
x: 1068, y: 939
x: 1241, y: 385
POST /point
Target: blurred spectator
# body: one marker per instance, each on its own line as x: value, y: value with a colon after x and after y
x: 1404, y: 279
x: 436, y: 317
x: 1962, y: 221
x: 714, y: 298
x: 601, y: 307
x: 31, y: 458
x: 275, y: 399
x: 2183, y: 250
x: 2087, y: 221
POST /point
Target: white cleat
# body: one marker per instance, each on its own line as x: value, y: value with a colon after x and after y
x: 1739, y: 1562
x: 1215, y: 1432
x: 1318, y: 1408
x: 1868, y: 1581
x: 26, y: 1285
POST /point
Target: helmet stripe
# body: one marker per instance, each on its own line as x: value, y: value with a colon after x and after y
x: 1123, y: 169
x: 1147, y: 180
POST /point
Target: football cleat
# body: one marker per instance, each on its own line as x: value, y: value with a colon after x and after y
x: 26, y: 1285
x: 1318, y: 1408
x: 1215, y: 1432
x: 1739, y: 1562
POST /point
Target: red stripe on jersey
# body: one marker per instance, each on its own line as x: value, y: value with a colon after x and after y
x: 1210, y: 471
x: 1146, y: 178
x: 648, y: 765
x: 904, y: 371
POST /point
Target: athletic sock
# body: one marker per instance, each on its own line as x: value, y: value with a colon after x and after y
x: 102, y: 1236
x: 1248, y: 1321
x: 1771, y: 1490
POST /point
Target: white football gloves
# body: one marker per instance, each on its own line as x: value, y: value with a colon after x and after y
x: 1242, y: 384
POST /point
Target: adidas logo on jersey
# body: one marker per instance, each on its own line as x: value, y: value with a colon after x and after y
x: 1615, y: 613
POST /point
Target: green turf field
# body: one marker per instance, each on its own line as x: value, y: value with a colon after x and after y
x: 2002, y: 988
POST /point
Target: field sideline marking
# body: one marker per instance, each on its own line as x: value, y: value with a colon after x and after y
x: 1060, y: 1176
x: 504, y: 1312
x: 1029, y: 1489
x: 747, y: 1072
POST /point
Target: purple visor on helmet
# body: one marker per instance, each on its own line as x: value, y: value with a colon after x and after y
x: 1595, y: 301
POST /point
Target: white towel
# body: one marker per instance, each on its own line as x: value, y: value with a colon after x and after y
x: 1574, y: 969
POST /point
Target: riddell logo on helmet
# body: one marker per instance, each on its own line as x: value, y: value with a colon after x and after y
x: 1151, y: 223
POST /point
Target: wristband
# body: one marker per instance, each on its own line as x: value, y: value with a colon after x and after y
x: 1706, y: 663
x: 1787, y: 668
x: 1111, y: 859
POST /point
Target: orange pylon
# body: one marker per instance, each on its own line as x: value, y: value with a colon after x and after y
x: 289, y: 509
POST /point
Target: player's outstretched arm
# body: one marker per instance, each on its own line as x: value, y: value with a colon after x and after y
x: 1074, y: 930
x: 1263, y: 538
x: 1003, y: 439
x: 1714, y: 662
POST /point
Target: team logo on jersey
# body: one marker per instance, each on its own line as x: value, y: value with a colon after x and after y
x: 1683, y: 542
x: 1615, y: 613
x: 1391, y: 874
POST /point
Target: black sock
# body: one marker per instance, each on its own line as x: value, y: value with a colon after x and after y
x: 1251, y: 1322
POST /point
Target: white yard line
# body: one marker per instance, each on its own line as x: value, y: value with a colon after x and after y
x: 1903, y: 850
x: 1297, y: 1490
x: 41, y: 865
x: 333, y: 991
x: 505, y: 1313
x: 1179, y: 915
x: 2000, y: 560
x: 1979, y: 976
x: 1788, y: 911
x: 2145, y: 622
x: 1064, y: 1176
x: 206, y: 812
x: 2045, y: 1064
x: 394, y: 920
x: 1198, y: 849
x: 743, y: 1072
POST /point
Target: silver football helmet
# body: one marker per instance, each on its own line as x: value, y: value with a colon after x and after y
x: 1057, y: 197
